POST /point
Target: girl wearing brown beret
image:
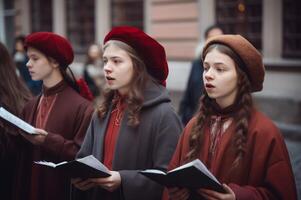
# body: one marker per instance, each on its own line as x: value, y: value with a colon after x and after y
x: 238, y: 144
x: 135, y: 127
x: 61, y: 117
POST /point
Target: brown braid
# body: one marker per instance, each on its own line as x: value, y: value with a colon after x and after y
x: 242, y: 117
x: 196, y: 136
x: 245, y: 104
x: 135, y: 96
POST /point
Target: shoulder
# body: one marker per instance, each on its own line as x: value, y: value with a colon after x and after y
x: 263, y: 128
x: 188, y: 129
x: 163, y: 111
x: 73, y: 97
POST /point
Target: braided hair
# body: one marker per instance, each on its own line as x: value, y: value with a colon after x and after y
x: 241, y: 117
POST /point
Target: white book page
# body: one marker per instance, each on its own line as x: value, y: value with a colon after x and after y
x: 16, y: 121
x: 199, y: 164
x: 93, y: 162
x: 50, y: 164
x: 154, y: 171
x: 183, y: 166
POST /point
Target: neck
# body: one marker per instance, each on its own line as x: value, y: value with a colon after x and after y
x: 225, y: 102
x: 53, y: 80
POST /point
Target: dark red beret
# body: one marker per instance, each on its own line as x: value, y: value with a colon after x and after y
x: 52, y: 45
x: 148, y: 49
x: 249, y: 55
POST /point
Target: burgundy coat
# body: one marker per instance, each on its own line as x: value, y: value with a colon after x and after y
x: 66, y: 127
x: 265, y: 172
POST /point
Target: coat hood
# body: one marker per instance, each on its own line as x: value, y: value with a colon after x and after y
x: 155, y: 94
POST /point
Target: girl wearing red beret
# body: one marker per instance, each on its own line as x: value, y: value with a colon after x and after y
x: 60, y: 114
x: 238, y: 144
x: 135, y: 127
x: 13, y: 96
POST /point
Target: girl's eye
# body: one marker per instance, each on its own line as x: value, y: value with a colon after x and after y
x: 116, y: 61
x: 220, y: 69
x: 206, y: 68
x: 105, y: 61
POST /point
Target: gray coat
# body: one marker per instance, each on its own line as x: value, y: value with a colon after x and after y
x: 150, y: 145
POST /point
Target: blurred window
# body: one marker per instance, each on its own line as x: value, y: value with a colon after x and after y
x: 80, y: 24
x: 291, y: 29
x: 241, y: 17
x: 41, y: 15
x: 127, y: 12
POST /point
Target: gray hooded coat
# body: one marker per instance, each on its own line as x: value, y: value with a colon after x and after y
x: 149, y: 145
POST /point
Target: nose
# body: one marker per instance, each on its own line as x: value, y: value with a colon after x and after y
x: 28, y: 64
x: 208, y: 75
x: 107, y: 68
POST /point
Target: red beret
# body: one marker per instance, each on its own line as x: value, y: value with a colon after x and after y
x: 248, y: 54
x: 51, y: 45
x: 148, y: 49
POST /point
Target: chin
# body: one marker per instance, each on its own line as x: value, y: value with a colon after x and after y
x: 212, y: 95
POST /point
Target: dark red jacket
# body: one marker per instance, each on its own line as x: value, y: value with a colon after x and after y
x: 66, y: 127
x: 265, y: 172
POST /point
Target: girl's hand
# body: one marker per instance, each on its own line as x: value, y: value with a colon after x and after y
x: 213, y: 195
x: 178, y: 193
x: 82, y: 184
x: 110, y: 183
x: 36, y: 139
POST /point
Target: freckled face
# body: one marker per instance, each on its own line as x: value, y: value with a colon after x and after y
x: 220, y: 77
x: 118, y: 68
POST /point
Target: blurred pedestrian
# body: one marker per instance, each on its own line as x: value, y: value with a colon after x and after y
x: 20, y: 59
x: 13, y: 96
x: 240, y: 146
x: 135, y: 127
x: 194, y: 89
x: 93, y: 70
x: 60, y: 114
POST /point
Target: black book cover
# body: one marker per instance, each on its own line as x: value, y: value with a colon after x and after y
x: 87, y: 167
x: 193, y: 175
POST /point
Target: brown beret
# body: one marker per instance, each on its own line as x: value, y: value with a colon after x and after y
x: 52, y: 45
x: 249, y: 55
x: 148, y: 49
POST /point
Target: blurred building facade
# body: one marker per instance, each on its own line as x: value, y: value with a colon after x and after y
x: 273, y: 26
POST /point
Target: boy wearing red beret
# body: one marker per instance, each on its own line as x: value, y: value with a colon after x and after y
x: 60, y: 114
x: 135, y: 127
x: 238, y: 144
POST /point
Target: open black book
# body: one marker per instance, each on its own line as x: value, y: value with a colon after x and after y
x: 192, y: 175
x: 87, y: 167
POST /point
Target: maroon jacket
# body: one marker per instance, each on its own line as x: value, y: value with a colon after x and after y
x: 66, y: 126
x: 265, y: 172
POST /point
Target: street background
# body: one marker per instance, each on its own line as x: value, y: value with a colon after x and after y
x: 272, y: 26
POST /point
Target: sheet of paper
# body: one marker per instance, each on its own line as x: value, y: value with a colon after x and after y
x: 16, y: 121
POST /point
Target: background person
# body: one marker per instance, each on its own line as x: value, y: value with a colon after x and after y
x: 195, y: 86
x: 93, y: 70
x: 20, y: 59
